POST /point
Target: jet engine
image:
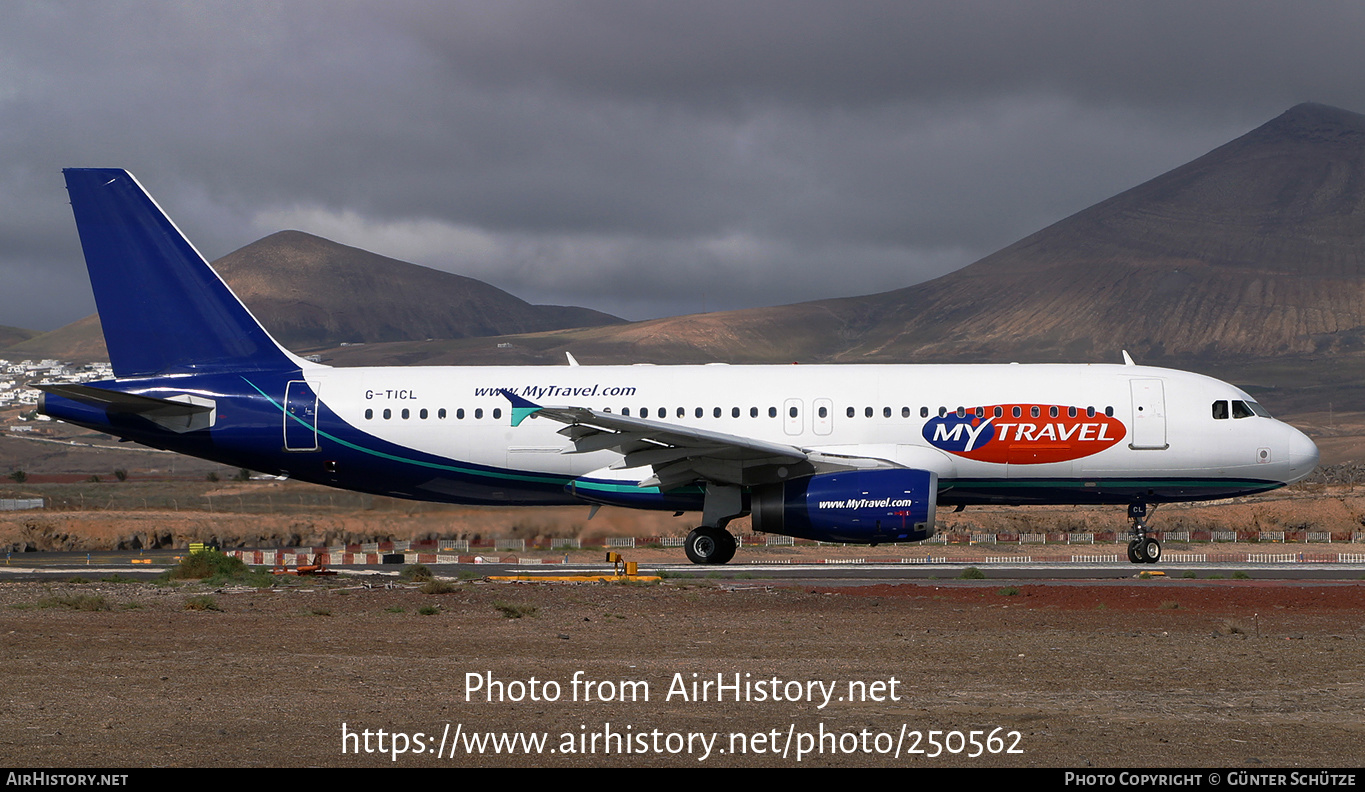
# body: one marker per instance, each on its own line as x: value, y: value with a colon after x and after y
x: 861, y: 506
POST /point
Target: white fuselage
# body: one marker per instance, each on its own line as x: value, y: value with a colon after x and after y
x: 1162, y: 422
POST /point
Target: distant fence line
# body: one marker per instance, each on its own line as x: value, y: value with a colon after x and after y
x: 19, y: 504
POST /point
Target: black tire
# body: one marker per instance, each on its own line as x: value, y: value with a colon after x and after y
x: 1133, y: 553
x: 1137, y: 552
x: 1151, y: 551
x: 729, y: 547
x: 705, y: 545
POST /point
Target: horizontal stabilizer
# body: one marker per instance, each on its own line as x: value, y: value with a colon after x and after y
x: 177, y: 416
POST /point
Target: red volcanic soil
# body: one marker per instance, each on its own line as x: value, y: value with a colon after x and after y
x: 1233, y: 597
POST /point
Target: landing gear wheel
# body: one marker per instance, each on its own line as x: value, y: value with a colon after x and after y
x: 1133, y: 553
x: 729, y: 547
x: 1151, y: 550
x: 1137, y: 552
x: 708, y: 545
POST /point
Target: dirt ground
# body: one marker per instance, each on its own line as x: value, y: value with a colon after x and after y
x: 1236, y: 674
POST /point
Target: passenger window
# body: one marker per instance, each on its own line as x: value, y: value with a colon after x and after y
x: 1033, y: 411
x: 999, y: 412
x: 905, y: 412
x: 734, y: 412
x: 387, y: 413
x: 1090, y: 412
x: 715, y: 413
x: 1071, y: 412
x: 942, y: 411
x: 1109, y: 411
x: 682, y: 412
x: 792, y: 412
x: 644, y: 412
x: 405, y: 413
x: 1052, y: 411
x: 772, y: 412
x: 824, y: 413
x: 1017, y: 411
x: 441, y: 413
x: 459, y: 414
x: 625, y: 411
x: 886, y: 412
x: 369, y: 414
x: 980, y: 412
x: 478, y: 412
x: 962, y: 412
x: 700, y: 412
x: 422, y: 414
x: 753, y: 412
x: 850, y: 412
x: 924, y: 412
x: 497, y: 412
x: 867, y: 412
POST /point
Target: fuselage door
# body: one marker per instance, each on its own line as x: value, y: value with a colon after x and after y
x: 792, y: 422
x: 300, y: 417
x: 822, y: 421
x: 1149, y: 414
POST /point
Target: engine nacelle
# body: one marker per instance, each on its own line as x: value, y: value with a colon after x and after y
x: 860, y: 506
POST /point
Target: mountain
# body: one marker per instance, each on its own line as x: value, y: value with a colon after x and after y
x: 310, y: 292
x: 14, y: 335
x: 1254, y: 250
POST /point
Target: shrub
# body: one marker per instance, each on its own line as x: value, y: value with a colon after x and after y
x: 85, y: 602
x: 972, y: 573
x: 513, y: 611
x: 204, y: 602
x: 416, y: 573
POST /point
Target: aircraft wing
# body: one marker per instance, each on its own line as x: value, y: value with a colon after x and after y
x: 681, y: 455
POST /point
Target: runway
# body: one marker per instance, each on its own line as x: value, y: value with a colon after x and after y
x: 151, y: 563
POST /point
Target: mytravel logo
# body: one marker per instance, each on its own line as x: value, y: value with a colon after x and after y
x: 1024, y: 434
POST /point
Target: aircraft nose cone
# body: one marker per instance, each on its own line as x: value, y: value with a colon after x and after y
x: 1302, y: 454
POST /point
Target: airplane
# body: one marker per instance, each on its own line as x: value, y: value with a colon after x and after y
x: 839, y: 453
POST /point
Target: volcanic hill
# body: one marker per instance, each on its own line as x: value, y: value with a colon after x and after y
x: 310, y: 292
x: 1254, y: 250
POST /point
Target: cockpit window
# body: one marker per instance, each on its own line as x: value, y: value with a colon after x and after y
x: 1220, y: 410
x: 1240, y: 409
x: 1258, y: 409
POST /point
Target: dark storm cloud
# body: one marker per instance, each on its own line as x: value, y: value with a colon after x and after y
x: 645, y: 158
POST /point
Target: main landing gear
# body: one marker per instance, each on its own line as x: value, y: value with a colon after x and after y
x: 1142, y: 549
x: 710, y: 545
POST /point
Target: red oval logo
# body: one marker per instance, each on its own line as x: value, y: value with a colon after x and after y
x: 1024, y: 434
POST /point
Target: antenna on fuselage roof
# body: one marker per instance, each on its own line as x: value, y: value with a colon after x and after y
x: 1128, y: 359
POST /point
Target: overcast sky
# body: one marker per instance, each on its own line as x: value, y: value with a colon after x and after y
x: 642, y: 158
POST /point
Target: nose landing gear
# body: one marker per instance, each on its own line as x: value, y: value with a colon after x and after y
x: 1142, y: 549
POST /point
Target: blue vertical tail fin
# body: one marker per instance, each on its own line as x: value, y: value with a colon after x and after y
x: 162, y: 307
